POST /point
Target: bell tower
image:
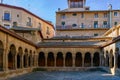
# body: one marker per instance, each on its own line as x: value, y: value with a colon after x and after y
x: 76, y: 3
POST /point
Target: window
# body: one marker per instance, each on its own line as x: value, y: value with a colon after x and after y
x: 14, y: 24
x: 39, y: 26
x: 82, y: 15
x: 7, y: 16
x: 74, y: 14
x: 115, y: 14
x: 95, y: 24
x: 63, y: 23
x: 95, y: 34
x: 29, y: 23
x: 17, y: 15
x: 48, y: 31
x: 105, y: 24
x: 7, y: 26
x: 74, y: 25
x: 63, y: 16
x: 105, y: 15
x: 115, y: 23
x: 96, y: 15
x: 82, y: 25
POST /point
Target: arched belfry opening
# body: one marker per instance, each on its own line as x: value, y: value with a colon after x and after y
x: 1, y: 55
x: 11, y: 57
x: 76, y: 3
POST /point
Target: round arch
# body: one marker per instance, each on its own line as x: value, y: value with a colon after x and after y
x: 50, y: 59
x: 59, y: 59
x: 11, y: 57
x: 1, y: 55
x: 96, y: 59
x: 87, y: 60
x: 78, y: 59
x: 30, y: 62
x: 68, y: 59
x: 19, y: 57
x: 41, y: 59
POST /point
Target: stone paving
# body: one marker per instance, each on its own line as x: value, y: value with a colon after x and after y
x: 44, y: 75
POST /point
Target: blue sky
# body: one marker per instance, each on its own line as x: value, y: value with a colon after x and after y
x: 46, y: 8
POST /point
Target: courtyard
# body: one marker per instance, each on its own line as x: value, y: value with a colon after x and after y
x: 67, y: 75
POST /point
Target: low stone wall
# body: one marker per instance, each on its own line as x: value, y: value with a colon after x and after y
x: 12, y: 73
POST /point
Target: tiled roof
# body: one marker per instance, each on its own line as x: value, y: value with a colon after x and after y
x: 78, y: 10
x: 16, y: 36
x: 73, y: 44
x: 24, y: 29
x: 78, y: 37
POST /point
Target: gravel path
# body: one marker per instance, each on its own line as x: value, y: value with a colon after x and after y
x: 96, y: 75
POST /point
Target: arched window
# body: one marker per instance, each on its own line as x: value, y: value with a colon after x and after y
x: 15, y: 24
x: 74, y: 25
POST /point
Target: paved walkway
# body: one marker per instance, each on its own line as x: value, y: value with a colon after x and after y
x: 96, y: 75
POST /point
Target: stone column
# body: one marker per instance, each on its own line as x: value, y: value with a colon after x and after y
x: 36, y: 60
x: 5, y: 60
x: 115, y: 60
x: 92, y: 60
x: 27, y: 60
x: 15, y: 61
x: 73, y: 60
x: 55, y: 56
x: 46, y: 60
x: 83, y: 60
x: 21, y: 64
x: 64, y: 60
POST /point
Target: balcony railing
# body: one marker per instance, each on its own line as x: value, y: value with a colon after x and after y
x: 82, y: 27
x: 29, y: 24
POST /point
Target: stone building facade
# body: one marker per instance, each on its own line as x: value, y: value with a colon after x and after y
x: 17, y: 18
x: 79, y: 18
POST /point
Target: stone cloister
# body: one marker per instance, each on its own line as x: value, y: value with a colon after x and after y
x: 19, y: 56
